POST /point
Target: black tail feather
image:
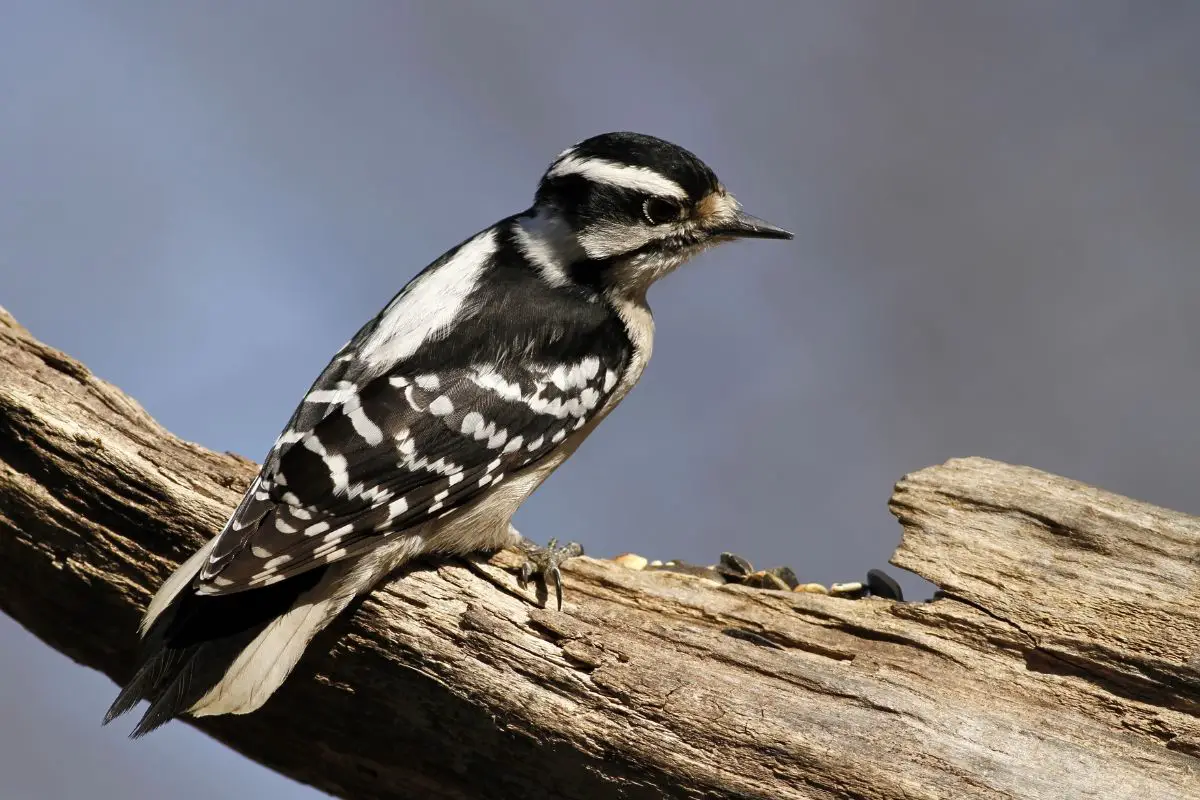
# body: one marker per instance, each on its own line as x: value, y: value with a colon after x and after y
x: 173, y: 700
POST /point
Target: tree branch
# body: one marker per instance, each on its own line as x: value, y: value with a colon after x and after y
x: 1063, y: 661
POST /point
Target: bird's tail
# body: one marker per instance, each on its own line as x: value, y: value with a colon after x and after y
x: 225, y: 654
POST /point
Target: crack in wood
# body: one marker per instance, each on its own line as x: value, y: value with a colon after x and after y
x: 450, y: 684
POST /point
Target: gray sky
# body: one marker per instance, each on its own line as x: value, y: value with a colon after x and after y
x: 995, y: 207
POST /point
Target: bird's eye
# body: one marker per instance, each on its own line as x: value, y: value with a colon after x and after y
x: 659, y: 211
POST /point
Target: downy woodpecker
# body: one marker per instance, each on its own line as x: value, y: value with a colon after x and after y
x: 429, y: 428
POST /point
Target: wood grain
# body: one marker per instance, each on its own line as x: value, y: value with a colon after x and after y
x: 1063, y: 660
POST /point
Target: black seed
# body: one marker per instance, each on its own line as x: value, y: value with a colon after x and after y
x: 786, y: 575
x: 883, y: 585
x: 734, y: 567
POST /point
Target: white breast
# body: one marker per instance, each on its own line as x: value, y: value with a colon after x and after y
x: 639, y: 327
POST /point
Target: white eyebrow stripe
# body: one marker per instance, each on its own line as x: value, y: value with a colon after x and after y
x: 600, y: 170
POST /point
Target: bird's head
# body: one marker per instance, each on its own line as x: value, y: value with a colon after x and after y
x: 620, y: 210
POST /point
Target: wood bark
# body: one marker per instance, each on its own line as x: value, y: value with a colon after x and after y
x: 1061, y: 660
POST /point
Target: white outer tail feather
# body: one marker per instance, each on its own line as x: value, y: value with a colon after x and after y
x: 263, y: 665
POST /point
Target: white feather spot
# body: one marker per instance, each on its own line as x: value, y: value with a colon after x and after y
x: 397, y: 507
x: 336, y: 464
x: 441, y: 406
x: 455, y: 478
x: 282, y: 525
x: 434, y: 508
x: 535, y: 444
x: 317, y: 528
x: 338, y: 534
x: 335, y: 396
x: 362, y: 424
x: 498, y: 439
x: 610, y: 380
x: 559, y: 436
x: 559, y: 377
x: 472, y: 423
x: 372, y: 494
x: 337, y: 472
x: 277, y: 562
x: 429, y: 383
x: 486, y: 431
x: 486, y: 378
x: 513, y: 445
x: 260, y: 552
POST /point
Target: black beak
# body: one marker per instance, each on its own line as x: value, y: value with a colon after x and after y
x: 745, y: 226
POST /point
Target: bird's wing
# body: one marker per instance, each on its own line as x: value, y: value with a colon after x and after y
x: 360, y: 463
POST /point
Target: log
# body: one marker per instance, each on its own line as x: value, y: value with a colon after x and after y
x: 1060, y: 659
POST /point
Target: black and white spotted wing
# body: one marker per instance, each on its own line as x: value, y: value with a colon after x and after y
x: 402, y: 449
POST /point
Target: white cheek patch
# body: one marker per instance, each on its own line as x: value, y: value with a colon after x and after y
x: 606, y: 240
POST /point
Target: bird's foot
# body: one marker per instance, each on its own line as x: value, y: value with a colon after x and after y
x: 544, y: 562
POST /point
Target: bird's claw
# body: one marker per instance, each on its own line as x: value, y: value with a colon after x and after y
x: 544, y: 562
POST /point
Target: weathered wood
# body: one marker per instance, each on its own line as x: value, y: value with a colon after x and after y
x: 1063, y: 662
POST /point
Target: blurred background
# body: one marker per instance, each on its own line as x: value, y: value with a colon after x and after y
x: 996, y: 212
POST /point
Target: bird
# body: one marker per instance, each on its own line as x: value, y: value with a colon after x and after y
x: 432, y: 425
